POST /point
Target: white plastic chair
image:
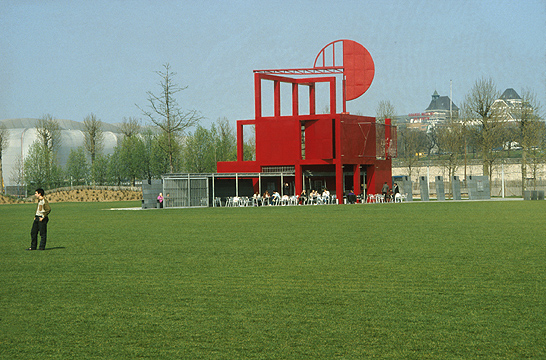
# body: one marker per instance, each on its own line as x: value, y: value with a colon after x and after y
x: 244, y: 201
x: 294, y: 200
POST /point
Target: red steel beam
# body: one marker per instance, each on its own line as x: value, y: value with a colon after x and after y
x: 305, y: 71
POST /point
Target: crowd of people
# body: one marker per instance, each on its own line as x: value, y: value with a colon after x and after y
x: 388, y: 194
x: 314, y: 197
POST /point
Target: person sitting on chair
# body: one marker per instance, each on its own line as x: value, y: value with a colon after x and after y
x: 303, y: 197
x: 266, y: 198
x: 351, y: 197
x: 276, y: 197
x: 326, y: 196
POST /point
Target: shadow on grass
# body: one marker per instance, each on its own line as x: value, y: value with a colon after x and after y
x: 55, y: 248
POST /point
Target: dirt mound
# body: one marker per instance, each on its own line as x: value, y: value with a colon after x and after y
x: 9, y: 200
x: 85, y: 195
x: 92, y: 195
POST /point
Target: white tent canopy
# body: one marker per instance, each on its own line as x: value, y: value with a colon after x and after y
x: 22, y: 133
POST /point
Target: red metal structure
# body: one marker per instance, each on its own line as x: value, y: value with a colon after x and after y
x: 339, y: 151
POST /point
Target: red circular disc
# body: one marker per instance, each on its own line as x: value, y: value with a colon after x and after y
x: 358, y: 67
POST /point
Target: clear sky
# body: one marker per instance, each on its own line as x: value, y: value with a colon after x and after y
x: 71, y: 58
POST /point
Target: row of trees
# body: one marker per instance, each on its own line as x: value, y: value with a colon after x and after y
x: 143, y: 152
x: 140, y: 154
x: 482, y: 129
x: 40, y: 167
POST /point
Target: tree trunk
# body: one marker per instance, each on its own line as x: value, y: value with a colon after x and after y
x: 523, y: 170
x: 485, y: 168
x: 1, y: 177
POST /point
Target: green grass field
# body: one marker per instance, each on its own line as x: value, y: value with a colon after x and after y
x: 450, y: 280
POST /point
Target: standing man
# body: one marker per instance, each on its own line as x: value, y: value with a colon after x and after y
x: 286, y: 189
x: 395, y: 192
x: 385, y: 191
x: 40, y: 221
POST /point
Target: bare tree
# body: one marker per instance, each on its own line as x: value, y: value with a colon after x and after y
x: 17, y: 172
x: 450, y: 138
x: 384, y: 110
x: 535, y: 154
x: 432, y: 139
x: 166, y: 114
x: 41, y: 166
x: 225, y: 140
x: 4, y: 143
x: 411, y: 143
x: 93, y: 136
x: 530, y: 132
x: 479, y: 113
x: 130, y: 126
x: 49, y: 133
x: 199, y: 151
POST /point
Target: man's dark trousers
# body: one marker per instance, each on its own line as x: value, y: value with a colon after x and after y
x: 39, y: 226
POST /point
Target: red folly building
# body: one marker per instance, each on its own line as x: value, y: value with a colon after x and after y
x: 338, y: 151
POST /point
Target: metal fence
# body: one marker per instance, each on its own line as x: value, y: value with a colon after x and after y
x: 185, y: 192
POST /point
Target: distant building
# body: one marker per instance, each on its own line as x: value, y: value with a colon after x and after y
x: 22, y: 133
x: 510, y: 105
x: 438, y: 111
x: 441, y: 108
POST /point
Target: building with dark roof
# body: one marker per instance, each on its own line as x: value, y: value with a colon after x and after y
x: 441, y: 103
x: 440, y: 109
x: 510, y: 105
x: 510, y: 95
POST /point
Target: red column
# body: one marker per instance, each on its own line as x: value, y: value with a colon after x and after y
x: 257, y: 96
x: 332, y: 96
x: 344, y: 89
x: 298, y: 181
x: 295, y: 100
x: 339, y: 182
x: 240, y: 154
x: 338, y: 161
x: 277, y: 90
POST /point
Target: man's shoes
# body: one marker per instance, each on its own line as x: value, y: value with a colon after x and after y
x: 41, y: 249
